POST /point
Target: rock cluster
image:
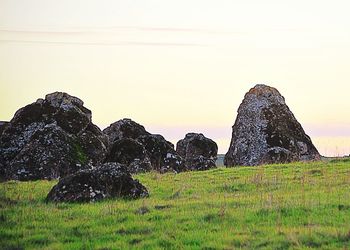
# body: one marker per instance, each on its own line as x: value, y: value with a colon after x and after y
x: 55, y: 138
x: 50, y: 138
x: 141, y: 151
x: 109, y: 180
x: 198, y: 152
x: 266, y: 131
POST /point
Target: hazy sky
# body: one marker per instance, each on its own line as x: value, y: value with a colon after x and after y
x: 181, y: 66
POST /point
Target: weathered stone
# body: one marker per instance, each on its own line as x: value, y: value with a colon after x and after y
x: 50, y: 138
x: 131, y: 153
x: 162, y: 154
x: 199, y: 152
x: 94, y: 144
x: 266, y: 131
x: 70, y: 115
x: 110, y: 180
x: 124, y: 128
x: 131, y: 144
x: 49, y: 154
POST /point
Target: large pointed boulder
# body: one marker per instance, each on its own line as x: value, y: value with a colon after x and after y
x: 198, y: 151
x: 50, y: 138
x: 266, y: 131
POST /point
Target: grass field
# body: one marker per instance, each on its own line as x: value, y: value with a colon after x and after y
x: 297, y: 206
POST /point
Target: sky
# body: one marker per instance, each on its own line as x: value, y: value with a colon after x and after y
x: 181, y: 66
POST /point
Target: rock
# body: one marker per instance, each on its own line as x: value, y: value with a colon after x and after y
x: 131, y: 153
x: 50, y: 138
x: 94, y: 143
x: 49, y: 154
x: 109, y: 180
x: 142, y: 151
x: 163, y: 156
x: 266, y: 131
x: 199, y: 152
x: 3, y: 125
x: 124, y: 128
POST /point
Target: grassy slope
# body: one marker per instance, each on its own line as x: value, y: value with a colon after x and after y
x: 299, y: 205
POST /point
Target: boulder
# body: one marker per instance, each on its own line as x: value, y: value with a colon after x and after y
x: 50, y: 138
x: 266, y: 131
x: 140, y: 150
x: 109, y: 180
x: 124, y: 128
x: 163, y: 156
x: 198, y: 151
x: 131, y: 153
x: 3, y: 125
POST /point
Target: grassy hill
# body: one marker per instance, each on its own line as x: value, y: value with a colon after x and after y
x: 299, y: 206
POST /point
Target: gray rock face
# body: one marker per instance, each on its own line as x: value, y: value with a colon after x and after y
x: 110, y: 180
x: 199, y: 152
x: 266, y: 131
x: 50, y: 138
x: 140, y: 150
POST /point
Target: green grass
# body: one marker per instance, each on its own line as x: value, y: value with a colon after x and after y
x: 296, y: 206
x: 79, y: 153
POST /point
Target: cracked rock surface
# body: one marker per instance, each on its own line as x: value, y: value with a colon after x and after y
x: 266, y: 131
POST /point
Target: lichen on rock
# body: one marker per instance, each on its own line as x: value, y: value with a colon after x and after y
x: 198, y: 151
x: 109, y: 180
x: 266, y: 131
x: 50, y: 138
x: 140, y: 150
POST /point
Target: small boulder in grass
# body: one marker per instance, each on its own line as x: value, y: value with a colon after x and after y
x: 109, y: 180
x: 198, y: 151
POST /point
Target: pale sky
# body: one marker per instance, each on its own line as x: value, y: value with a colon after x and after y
x: 181, y: 66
